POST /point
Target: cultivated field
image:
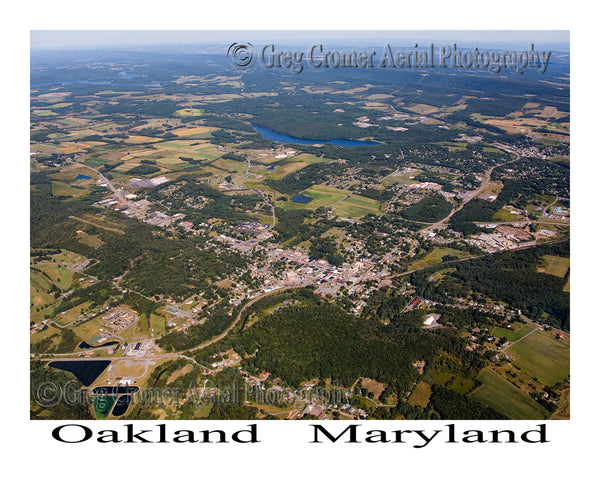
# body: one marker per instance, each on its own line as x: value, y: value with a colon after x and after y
x: 503, y: 396
x: 543, y: 356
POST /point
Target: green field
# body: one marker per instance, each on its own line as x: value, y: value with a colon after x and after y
x: 543, y: 356
x: 285, y: 169
x: 89, y: 329
x: 505, y: 216
x: 71, y: 315
x: 157, y: 323
x: 310, y: 158
x: 435, y: 257
x: 41, y: 281
x: 63, y: 189
x: 503, y: 396
x: 342, y: 202
x: 553, y: 265
x: 517, y: 331
x: 356, y: 206
x: 420, y: 395
x: 189, y: 112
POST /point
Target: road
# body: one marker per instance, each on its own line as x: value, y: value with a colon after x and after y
x: 236, y: 321
x: 475, y: 194
x: 362, y: 278
x: 266, y: 199
x: 118, y: 193
x: 181, y: 353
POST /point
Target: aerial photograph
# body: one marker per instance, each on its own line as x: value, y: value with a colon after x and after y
x: 299, y: 225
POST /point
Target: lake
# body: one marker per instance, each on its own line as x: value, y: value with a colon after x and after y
x: 282, y: 138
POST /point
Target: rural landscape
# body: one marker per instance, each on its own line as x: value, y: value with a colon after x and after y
x: 212, y: 243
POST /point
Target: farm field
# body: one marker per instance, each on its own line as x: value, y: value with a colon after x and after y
x: 503, y: 396
x: 188, y: 132
x: 553, y: 265
x: 543, y: 356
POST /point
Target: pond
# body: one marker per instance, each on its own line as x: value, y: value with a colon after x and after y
x: 303, y: 199
x: 86, y: 371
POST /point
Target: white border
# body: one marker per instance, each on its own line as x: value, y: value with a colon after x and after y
x: 286, y: 452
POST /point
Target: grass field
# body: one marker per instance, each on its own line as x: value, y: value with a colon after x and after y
x: 454, y: 146
x: 440, y: 274
x: 44, y: 113
x: 93, y: 241
x: 493, y: 188
x: 553, y: 265
x: 543, y: 356
x: 518, y: 330
x: 63, y: 189
x: 158, y: 324
x: 71, y: 315
x: 48, y: 332
x: 342, y: 202
x: 189, y: 112
x: 285, y: 169
x: 310, y: 158
x: 230, y: 165
x: 60, y: 275
x: 420, y: 395
x: 355, y: 206
x: 41, y: 301
x: 505, y: 216
x: 435, y: 257
x: 89, y: 329
x: 503, y: 396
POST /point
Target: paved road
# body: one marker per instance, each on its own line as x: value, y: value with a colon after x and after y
x: 118, y: 194
x: 362, y: 277
x: 484, y: 183
x: 236, y: 321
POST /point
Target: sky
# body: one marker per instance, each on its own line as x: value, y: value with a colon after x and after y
x: 92, y: 38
